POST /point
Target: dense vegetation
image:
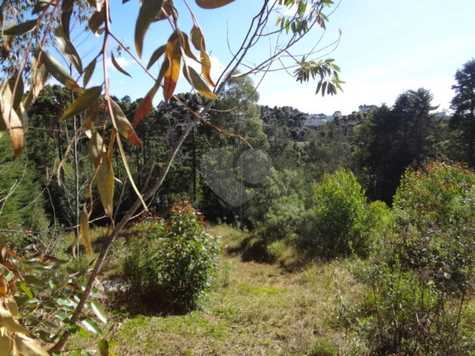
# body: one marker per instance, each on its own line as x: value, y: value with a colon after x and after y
x: 209, y: 224
x: 303, y: 193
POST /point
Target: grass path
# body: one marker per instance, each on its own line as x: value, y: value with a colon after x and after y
x: 253, y: 309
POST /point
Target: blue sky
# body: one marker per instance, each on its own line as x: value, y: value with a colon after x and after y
x: 386, y: 47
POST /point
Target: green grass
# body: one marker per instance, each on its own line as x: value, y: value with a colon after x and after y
x: 252, y: 309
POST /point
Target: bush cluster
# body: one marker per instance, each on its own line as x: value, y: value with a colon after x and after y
x: 336, y: 220
x: 336, y: 224
x: 435, y: 215
x: 174, y: 264
x: 421, y: 273
x: 407, y: 316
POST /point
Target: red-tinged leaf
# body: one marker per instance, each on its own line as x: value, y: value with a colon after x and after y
x: 167, y: 10
x: 145, y: 107
x: 123, y: 124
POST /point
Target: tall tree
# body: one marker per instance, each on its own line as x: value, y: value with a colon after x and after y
x: 463, y: 105
x: 393, y: 139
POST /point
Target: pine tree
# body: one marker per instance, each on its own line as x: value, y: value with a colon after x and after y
x: 463, y: 105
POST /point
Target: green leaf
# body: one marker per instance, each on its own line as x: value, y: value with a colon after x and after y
x: 25, y: 289
x: 67, y: 48
x: 156, y: 56
x: 106, y: 183
x: 90, y: 326
x: 212, y: 4
x: 96, y: 148
x: 197, y: 38
x: 185, y: 44
x: 200, y: 85
x: 148, y: 11
x: 99, y: 311
x: 83, y: 101
x: 57, y: 71
x: 103, y: 346
x: 118, y: 67
x: 20, y: 29
x: 88, y: 72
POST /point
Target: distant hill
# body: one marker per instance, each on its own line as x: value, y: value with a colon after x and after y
x: 299, y: 123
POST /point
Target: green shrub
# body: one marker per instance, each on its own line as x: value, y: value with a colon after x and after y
x: 336, y: 225
x: 379, y: 225
x: 284, y: 217
x: 287, y: 186
x: 435, y: 215
x: 323, y: 347
x: 404, y: 315
x: 174, y: 265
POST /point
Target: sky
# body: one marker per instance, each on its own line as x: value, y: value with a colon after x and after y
x: 386, y: 47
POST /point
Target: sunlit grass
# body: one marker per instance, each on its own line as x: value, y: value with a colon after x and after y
x: 252, y: 309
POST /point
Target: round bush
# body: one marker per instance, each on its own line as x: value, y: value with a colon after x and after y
x: 336, y: 226
x: 172, y: 268
x: 435, y: 215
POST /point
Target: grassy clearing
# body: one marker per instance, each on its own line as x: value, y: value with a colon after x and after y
x: 252, y: 309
